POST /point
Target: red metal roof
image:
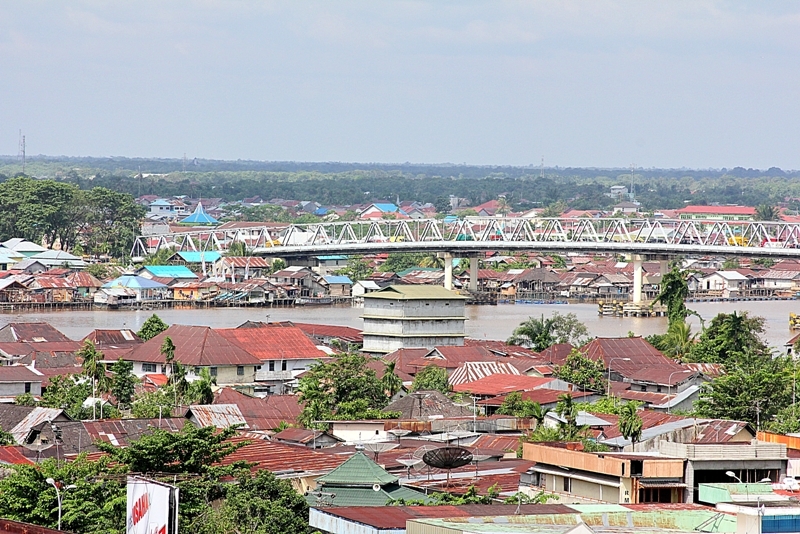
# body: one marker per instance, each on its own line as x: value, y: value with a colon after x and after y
x: 252, y: 262
x: 718, y: 210
x: 404, y: 357
x: 343, y: 333
x: 18, y: 373
x: 34, y: 332
x: 501, y: 348
x: 83, y: 279
x: 194, y: 346
x: 117, y: 338
x: 496, y: 442
x: 395, y: 517
x: 261, y: 413
x: 279, y: 457
x: 556, y: 354
x: 270, y: 343
x: 634, y: 357
x: 499, y: 384
x: 11, y: 454
x: 542, y: 396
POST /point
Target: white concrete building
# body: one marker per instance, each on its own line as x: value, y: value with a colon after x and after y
x: 404, y: 316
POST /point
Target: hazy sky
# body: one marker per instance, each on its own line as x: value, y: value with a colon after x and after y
x: 588, y: 83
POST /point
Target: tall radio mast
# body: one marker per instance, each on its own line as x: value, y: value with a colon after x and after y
x: 22, y: 150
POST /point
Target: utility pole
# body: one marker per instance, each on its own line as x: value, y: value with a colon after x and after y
x: 22, y: 150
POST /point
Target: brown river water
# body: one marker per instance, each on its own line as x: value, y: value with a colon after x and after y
x: 484, y: 322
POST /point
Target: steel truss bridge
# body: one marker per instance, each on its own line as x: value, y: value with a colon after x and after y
x: 472, y: 236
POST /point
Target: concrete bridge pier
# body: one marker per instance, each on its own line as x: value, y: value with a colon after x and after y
x: 448, y: 270
x: 638, y: 279
x: 473, y: 275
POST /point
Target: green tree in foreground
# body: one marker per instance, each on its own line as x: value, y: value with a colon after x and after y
x: 630, y: 422
x: 766, y: 212
x: 582, y: 371
x: 123, y: 383
x: 538, y: 334
x: 344, y: 385
x: 515, y: 405
x: 431, y: 378
x: 244, y: 502
x: 152, y: 327
x: 390, y: 381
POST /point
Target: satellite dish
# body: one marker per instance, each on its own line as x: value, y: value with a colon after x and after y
x: 377, y: 447
x: 447, y: 458
x: 399, y: 432
x: 376, y: 487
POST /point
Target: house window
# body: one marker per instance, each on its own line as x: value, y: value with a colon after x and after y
x: 148, y: 368
x: 27, y: 387
x: 272, y: 365
x: 240, y: 370
x: 567, y: 484
x: 283, y: 365
x: 213, y: 371
x: 644, y: 388
x: 163, y: 369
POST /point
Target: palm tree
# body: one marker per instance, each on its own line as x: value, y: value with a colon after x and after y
x: 539, y: 413
x: 535, y: 334
x: 390, y: 381
x: 765, y: 212
x: 93, y: 367
x: 678, y: 340
x: 629, y: 423
x: 568, y: 411
x: 432, y: 261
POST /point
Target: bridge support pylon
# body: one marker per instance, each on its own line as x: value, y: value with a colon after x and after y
x: 448, y: 270
x: 638, y: 279
x: 473, y: 275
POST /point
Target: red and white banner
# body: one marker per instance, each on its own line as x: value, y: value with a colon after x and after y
x: 150, y: 505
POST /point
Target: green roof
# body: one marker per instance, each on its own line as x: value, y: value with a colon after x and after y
x: 358, y: 470
x: 348, y: 496
x: 416, y: 292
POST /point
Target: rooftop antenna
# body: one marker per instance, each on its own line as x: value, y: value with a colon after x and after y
x: 22, y: 150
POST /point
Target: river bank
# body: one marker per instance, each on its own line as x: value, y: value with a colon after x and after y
x: 484, y: 322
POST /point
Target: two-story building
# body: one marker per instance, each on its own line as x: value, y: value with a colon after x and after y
x: 196, y: 348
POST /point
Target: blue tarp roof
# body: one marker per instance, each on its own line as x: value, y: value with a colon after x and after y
x: 200, y: 216
x: 170, y: 271
x: 332, y: 279
x: 134, y: 282
x: 199, y: 257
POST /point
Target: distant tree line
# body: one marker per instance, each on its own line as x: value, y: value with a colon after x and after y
x: 344, y: 184
x: 95, y: 221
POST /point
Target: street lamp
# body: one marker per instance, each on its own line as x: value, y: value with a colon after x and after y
x: 669, y: 386
x: 739, y: 480
x: 609, y: 371
x: 52, y: 482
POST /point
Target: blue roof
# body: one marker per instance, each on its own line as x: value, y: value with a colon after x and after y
x: 200, y: 216
x: 332, y: 257
x: 450, y: 219
x: 134, y: 282
x: 170, y: 271
x: 321, y: 211
x: 332, y: 279
x: 386, y: 207
x: 199, y: 257
x: 160, y: 202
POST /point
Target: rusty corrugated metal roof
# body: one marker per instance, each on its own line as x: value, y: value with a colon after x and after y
x: 216, y: 415
x: 36, y: 417
x: 194, y: 346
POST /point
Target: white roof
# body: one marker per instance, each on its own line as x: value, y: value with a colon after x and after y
x: 730, y: 275
x: 19, y: 245
x: 368, y: 284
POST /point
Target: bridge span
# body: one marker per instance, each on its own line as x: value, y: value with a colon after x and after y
x: 471, y: 237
